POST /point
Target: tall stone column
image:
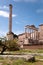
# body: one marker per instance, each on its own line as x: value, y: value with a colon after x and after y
x: 10, y: 34
x: 25, y: 32
x: 30, y: 33
x: 10, y: 19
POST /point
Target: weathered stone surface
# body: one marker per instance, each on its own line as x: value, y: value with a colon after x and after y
x: 29, y: 58
x: 1, y: 63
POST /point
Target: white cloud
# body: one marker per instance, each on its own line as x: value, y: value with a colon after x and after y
x: 2, y: 34
x: 18, y: 32
x: 17, y: 22
x: 25, y: 0
x: 6, y: 14
x: 14, y: 15
x: 39, y: 10
x: 17, y: 0
x: 4, y: 7
x: 30, y: 0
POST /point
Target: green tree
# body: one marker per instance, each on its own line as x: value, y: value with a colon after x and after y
x: 10, y: 45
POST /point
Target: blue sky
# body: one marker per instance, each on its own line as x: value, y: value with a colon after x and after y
x: 25, y: 12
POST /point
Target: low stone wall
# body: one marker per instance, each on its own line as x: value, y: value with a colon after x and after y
x: 33, y: 46
x: 29, y: 58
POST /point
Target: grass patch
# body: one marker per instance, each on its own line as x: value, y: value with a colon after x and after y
x: 19, y: 62
x: 27, y: 51
x: 39, y: 57
x: 1, y: 58
x: 24, y: 51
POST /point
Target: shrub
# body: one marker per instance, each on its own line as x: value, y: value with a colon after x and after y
x: 12, y: 45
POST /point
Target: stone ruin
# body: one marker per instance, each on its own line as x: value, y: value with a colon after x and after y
x: 32, y: 35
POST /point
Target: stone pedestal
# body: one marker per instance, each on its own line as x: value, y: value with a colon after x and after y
x: 10, y: 36
x: 26, y: 41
